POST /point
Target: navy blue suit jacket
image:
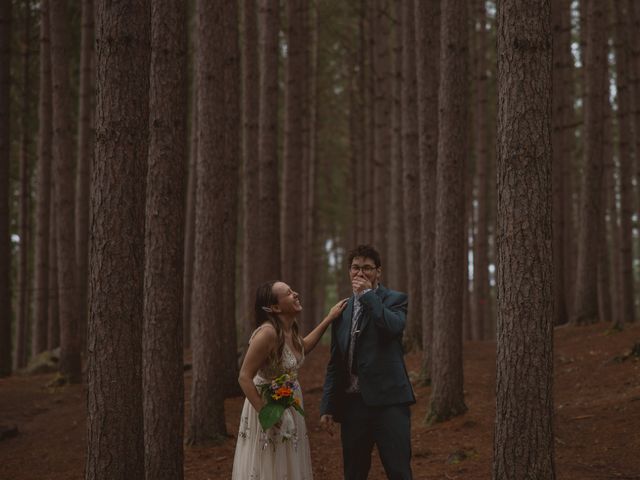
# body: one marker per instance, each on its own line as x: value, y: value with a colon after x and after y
x: 382, y: 375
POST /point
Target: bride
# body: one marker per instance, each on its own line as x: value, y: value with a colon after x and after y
x: 275, y: 348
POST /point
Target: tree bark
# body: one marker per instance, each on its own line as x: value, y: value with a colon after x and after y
x: 447, y: 397
x: 217, y: 51
x: 53, y: 310
x: 292, y: 169
x: 268, y: 244
x: 22, y: 319
x: 43, y: 196
x: 115, y: 447
x: 64, y: 187
x: 83, y: 167
x: 411, y: 180
x: 5, y: 163
x: 586, y: 304
x: 250, y: 110
x: 190, y: 221
x: 605, y: 304
x: 163, y: 379
x: 397, y: 263
x: 481, y: 297
x: 625, y: 152
x: 382, y: 126
x: 523, y: 439
x: 427, y: 20
x: 560, y: 11
x: 232, y: 126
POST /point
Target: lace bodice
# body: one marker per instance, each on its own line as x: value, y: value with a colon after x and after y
x: 289, y: 363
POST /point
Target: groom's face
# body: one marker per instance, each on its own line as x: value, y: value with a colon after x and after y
x: 366, y: 268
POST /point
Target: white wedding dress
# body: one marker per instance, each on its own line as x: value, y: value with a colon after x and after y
x: 277, y: 454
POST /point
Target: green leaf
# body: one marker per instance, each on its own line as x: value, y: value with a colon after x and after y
x: 269, y: 415
x: 299, y: 409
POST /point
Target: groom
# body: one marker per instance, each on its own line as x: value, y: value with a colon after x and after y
x: 366, y: 388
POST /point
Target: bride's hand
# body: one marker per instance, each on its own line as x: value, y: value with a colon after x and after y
x: 337, y: 309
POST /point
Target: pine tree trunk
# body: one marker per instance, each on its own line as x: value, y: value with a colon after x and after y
x: 481, y: 300
x: 447, y: 397
x: 22, y: 319
x: 411, y: 180
x: 115, y: 447
x: 251, y: 109
x: 42, y: 255
x: 216, y: 32
x: 268, y: 240
x: 162, y: 346
x: 190, y: 221
x: 397, y: 264
x: 382, y: 127
x: 53, y: 310
x: 524, y: 441
x: 5, y: 163
x: 625, y: 149
x: 64, y: 187
x: 605, y: 304
x: 427, y: 16
x: 561, y: 48
x: 83, y: 167
x: 292, y: 180
x: 634, y: 38
x: 586, y: 304
x: 232, y: 126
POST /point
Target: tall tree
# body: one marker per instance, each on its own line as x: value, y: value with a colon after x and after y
x: 481, y: 304
x: 250, y: 111
x: 22, y: 320
x: 115, y: 447
x: 5, y: 162
x: 232, y: 126
x: 42, y: 255
x: 411, y: 171
x: 83, y: 166
x: 447, y: 397
x: 216, y: 63
x: 64, y: 168
x: 560, y: 11
x: 268, y: 244
x: 523, y: 440
x: 382, y: 125
x: 190, y: 221
x: 586, y: 305
x: 292, y: 168
x: 624, y: 91
x: 53, y: 313
x: 397, y: 261
x: 427, y: 19
x: 606, y: 307
x: 634, y: 38
x: 163, y: 379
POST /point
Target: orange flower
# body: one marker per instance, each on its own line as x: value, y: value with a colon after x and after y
x: 297, y: 401
x: 284, y: 392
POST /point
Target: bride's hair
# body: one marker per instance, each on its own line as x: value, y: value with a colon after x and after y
x: 265, y: 299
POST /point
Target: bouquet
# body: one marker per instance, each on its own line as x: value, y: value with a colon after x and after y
x: 279, y: 397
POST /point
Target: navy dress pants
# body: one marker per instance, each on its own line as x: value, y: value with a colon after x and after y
x: 388, y: 427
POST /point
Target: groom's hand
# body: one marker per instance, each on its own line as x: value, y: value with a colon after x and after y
x: 327, y: 423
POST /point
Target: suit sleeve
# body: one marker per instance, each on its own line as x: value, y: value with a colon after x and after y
x: 390, y: 316
x: 331, y: 381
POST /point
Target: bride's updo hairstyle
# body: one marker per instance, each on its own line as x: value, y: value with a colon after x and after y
x: 265, y: 299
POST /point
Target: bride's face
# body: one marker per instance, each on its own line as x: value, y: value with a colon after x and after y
x: 288, y: 300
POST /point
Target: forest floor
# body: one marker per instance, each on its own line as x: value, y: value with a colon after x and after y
x: 597, y: 422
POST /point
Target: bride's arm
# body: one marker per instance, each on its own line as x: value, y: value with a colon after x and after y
x: 311, y: 340
x: 262, y: 344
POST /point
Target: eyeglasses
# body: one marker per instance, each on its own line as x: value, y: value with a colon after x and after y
x: 361, y: 268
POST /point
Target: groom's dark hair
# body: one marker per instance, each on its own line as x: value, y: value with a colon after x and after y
x: 366, y: 251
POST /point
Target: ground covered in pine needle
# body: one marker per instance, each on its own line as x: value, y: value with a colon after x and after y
x: 597, y: 424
